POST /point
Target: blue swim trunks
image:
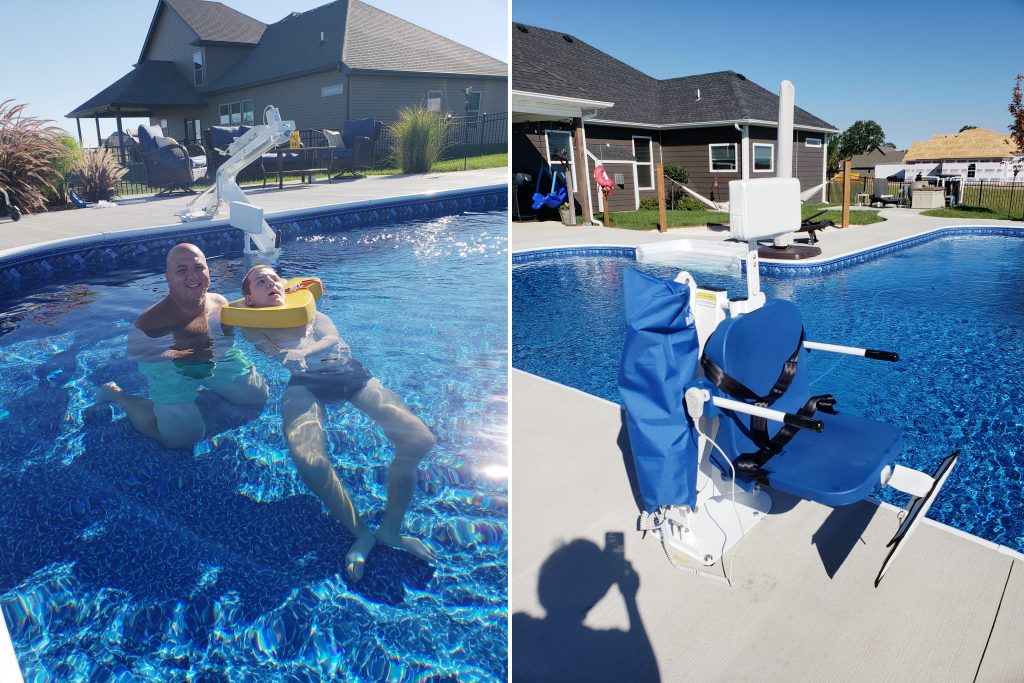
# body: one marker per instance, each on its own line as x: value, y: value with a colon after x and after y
x: 177, y: 382
x: 343, y: 380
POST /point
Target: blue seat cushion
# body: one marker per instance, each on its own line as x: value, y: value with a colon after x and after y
x: 359, y: 128
x: 222, y: 136
x: 198, y: 162
x: 839, y: 466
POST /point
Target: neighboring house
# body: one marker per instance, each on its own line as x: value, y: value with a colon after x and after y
x: 720, y: 126
x: 977, y: 153
x: 204, y: 63
x: 884, y: 156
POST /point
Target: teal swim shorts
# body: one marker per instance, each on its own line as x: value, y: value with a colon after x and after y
x: 176, y: 382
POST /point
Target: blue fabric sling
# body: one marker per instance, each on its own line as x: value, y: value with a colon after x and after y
x: 659, y: 358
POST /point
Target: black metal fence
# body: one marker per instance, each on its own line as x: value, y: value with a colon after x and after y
x: 467, y: 136
x: 1004, y: 198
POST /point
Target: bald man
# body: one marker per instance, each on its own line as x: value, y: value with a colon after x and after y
x: 181, y: 348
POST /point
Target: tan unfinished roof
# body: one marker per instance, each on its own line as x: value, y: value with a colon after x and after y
x: 977, y: 143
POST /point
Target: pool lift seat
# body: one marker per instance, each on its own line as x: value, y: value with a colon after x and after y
x: 751, y: 399
x: 261, y: 243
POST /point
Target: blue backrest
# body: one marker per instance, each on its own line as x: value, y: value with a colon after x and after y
x: 222, y: 136
x: 148, y: 136
x: 360, y: 128
x: 752, y: 349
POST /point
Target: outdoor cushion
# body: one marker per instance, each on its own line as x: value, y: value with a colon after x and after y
x: 222, y: 136
x: 334, y: 138
x: 360, y: 128
x: 148, y: 136
x: 198, y: 162
x: 164, y: 142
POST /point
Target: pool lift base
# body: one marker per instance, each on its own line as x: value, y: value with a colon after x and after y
x: 726, y: 509
x: 261, y: 243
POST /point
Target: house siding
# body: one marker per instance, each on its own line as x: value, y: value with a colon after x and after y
x: 171, y: 42
x: 688, y: 147
x: 626, y: 197
x: 220, y: 58
x: 382, y: 96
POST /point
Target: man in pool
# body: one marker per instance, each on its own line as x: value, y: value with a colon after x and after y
x: 181, y: 348
x: 324, y: 371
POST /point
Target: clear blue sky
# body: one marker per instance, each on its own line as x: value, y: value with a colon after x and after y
x: 916, y: 68
x: 56, y: 54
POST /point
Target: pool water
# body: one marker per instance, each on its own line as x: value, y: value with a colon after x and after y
x: 122, y: 560
x: 950, y: 307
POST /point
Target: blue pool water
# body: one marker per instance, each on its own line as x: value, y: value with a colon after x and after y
x: 122, y: 560
x: 951, y: 308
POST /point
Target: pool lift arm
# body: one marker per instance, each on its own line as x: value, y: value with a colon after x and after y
x: 260, y: 237
x: 724, y: 512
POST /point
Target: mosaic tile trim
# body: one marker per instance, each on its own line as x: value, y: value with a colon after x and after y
x: 541, y: 254
x: 796, y: 270
x: 118, y: 250
x: 789, y: 269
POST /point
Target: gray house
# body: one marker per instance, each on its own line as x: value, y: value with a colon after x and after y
x: 719, y: 126
x: 204, y: 63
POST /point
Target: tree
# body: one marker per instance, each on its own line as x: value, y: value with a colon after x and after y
x: 963, y: 128
x: 1017, y: 115
x: 859, y: 138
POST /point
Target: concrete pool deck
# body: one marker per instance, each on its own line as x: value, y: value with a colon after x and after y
x: 157, y: 212
x: 803, y: 608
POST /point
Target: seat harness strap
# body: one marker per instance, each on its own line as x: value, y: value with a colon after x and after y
x: 749, y: 463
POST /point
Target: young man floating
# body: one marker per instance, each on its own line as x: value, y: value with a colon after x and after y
x: 324, y: 371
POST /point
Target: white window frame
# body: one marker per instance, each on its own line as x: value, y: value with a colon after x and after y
x: 572, y: 154
x: 812, y: 142
x: 434, y: 96
x: 238, y: 109
x: 332, y: 90
x: 972, y: 170
x: 735, y: 157
x: 199, y: 75
x: 637, y: 164
x: 753, y: 157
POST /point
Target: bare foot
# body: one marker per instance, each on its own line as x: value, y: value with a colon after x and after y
x: 355, y: 558
x: 408, y: 544
x: 110, y: 392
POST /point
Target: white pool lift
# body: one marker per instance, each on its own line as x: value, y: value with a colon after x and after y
x: 261, y: 242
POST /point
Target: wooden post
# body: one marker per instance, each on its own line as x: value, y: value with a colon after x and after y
x: 582, y: 170
x: 662, y: 215
x: 99, y: 143
x: 845, y: 222
x: 607, y: 211
x: 78, y: 122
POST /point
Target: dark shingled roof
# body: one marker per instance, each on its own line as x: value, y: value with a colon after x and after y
x: 291, y: 47
x: 379, y: 41
x: 149, y: 85
x: 546, y: 61
x: 217, y: 23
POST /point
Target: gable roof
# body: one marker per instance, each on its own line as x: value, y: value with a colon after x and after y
x: 356, y: 37
x: 212, y: 22
x: 554, y: 63
x: 878, y: 155
x: 976, y: 143
x: 378, y: 41
x: 149, y: 85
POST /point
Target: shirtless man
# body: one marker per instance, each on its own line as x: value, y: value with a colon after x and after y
x: 324, y: 371
x: 180, y: 348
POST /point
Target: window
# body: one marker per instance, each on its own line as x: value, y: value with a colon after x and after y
x: 237, y: 113
x: 193, y: 130
x: 764, y: 157
x: 644, y: 170
x: 472, y: 108
x: 970, y: 170
x: 812, y: 142
x: 434, y: 100
x: 197, y: 67
x: 723, y: 157
x: 560, y: 144
x: 331, y: 90
x: 163, y: 126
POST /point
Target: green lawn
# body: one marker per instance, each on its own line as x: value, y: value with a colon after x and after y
x: 648, y: 220
x: 967, y: 212
x: 497, y: 160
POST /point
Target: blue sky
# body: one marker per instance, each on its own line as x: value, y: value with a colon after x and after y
x: 916, y: 68
x: 56, y: 54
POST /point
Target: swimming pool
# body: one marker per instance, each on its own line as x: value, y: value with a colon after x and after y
x: 949, y: 306
x: 122, y: 560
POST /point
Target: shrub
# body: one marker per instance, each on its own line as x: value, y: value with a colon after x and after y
x: 29, y: 151
x: 70, y: 160
x: 99, y: 173
x: 677, y: 173
x: 649, y: 204
x: 690, y: 204
x: 419, y: 137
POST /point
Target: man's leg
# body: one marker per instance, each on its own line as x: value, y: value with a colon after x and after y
x: 303, y: 417
x: 249, y: 390
x: 174, y: 425
x: 412, y: 442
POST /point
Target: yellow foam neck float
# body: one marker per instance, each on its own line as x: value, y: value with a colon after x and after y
x: 300, y: 297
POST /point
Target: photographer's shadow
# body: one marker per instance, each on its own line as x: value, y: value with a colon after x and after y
x: 559, y: 647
